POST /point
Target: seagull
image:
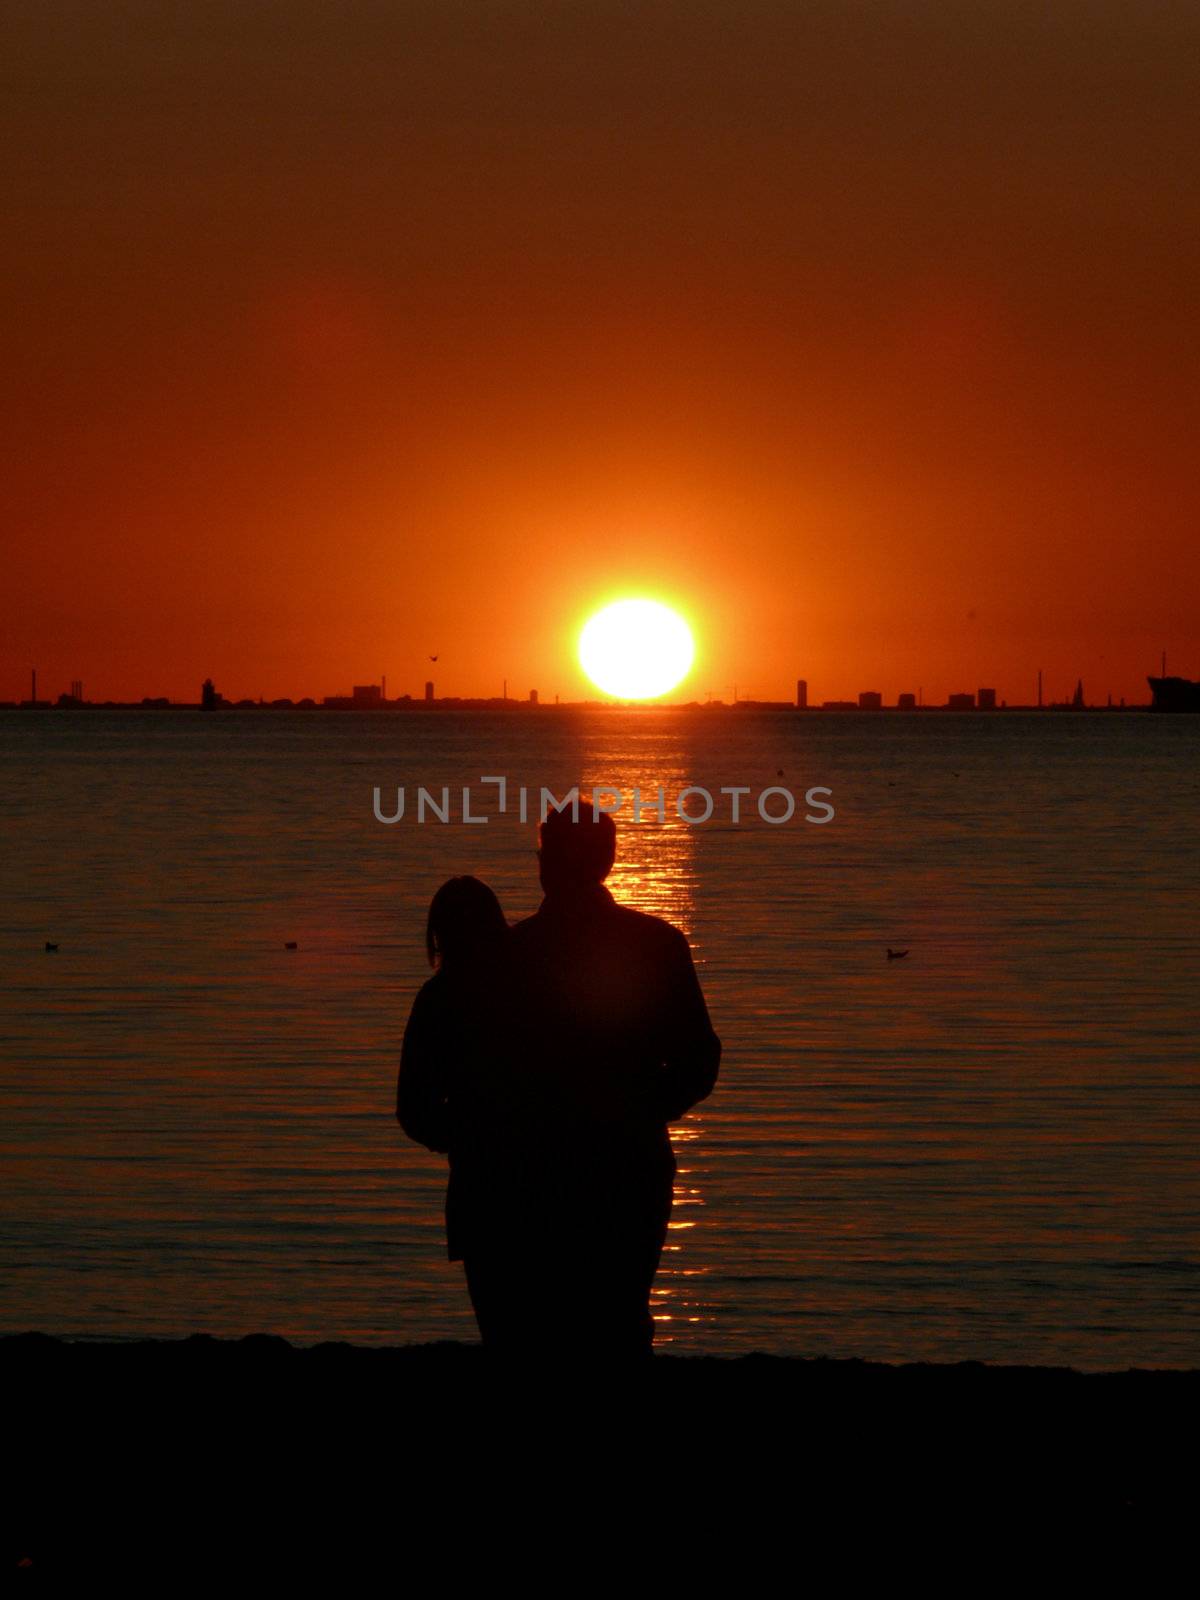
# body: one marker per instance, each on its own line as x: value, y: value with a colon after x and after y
x: 894, y: 955
x: 433, y: 658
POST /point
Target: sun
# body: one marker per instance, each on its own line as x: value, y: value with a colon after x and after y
x: 636, y: 649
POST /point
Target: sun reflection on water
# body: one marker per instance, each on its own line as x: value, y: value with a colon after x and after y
x: 655, y: 871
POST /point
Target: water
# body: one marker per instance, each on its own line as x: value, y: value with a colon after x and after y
x: 985, y: 1150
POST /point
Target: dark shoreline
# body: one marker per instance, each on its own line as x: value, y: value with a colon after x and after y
x: 350, y: 1455
x: 36, y: 1347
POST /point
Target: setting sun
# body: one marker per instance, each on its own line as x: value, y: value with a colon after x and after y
x: 636, y: 649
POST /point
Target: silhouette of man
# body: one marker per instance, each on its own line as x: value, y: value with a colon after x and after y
x: 603, y: 1038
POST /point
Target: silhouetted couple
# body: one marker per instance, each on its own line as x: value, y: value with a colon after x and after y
x: 547, y: 1060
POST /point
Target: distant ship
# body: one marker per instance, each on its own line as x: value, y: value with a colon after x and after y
x: 1174, y: 694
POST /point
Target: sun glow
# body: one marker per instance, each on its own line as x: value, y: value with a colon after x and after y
x: 636, y: 649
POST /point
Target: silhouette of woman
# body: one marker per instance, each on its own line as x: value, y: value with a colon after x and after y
x: 449, y: 1093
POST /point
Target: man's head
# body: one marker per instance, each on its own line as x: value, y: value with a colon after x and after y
x: 577, y: 848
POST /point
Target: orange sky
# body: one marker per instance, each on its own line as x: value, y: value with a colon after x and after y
x: 341, y: 335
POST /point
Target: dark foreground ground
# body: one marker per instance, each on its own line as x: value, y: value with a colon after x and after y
x: 152, y: 1464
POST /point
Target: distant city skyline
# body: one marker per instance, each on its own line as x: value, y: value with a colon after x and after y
x: 366, y: 695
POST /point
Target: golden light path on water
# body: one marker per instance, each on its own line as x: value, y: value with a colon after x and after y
x: 655, y: 871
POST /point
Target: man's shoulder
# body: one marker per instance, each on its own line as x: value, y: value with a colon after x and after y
x: 644, y: 925
x: 649, y: 941
x: 630, y: 917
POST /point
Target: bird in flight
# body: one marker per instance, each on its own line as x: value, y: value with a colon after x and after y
x: 433, y: 658
x: 894, y: 955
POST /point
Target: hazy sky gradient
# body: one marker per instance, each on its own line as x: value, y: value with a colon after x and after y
x: 342, y: 334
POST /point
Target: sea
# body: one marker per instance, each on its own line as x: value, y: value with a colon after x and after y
x: 984, y: 1149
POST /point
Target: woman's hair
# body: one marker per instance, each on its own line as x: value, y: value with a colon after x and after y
x: 465, y: 922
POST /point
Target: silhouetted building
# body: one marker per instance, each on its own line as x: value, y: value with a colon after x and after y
x: 1077, y: 697
x: 839, y: 705
x: 802, y: 694
x: 429, y: 690
x: 906, y: 702
x: 366, y: 694
x: 33, y: 699
x: 961, y: 702
x: 209, y: 698
x: 870, y: 700
x: 985, y: 699
x: 533, y: 700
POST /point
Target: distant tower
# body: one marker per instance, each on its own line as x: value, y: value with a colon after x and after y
x: 208, y: 695
x: 985, y: 699
x: 533, y: 697
x: 1039, y: 688
x: 801, y: 694
x: 429, y: 689
x: 1077, y: 700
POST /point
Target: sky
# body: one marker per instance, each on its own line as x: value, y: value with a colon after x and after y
x: 338, y: 336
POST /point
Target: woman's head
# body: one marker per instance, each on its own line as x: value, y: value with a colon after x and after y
x: 465, y: 923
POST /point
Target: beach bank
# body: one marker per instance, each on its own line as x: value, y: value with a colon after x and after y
x: 205, y: 1455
